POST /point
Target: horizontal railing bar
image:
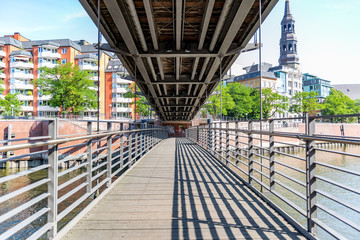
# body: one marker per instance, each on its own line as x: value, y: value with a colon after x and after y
x: 65, y: 140
x: 289, y: 155
x: 290, y: 178
x: 338, y: 168
x: 22, y: 173
x: 72, y: 169
x: 99, y: 185
x: 72, y: 206
x: 291, y: 167
x: 338, y: 184
x: 23, y: 190
x: 238, y: 168
x: 290, y: 203
x: 261, y: 156
x: 261, y: 173
x: 70, y: 193
x: 36, y: 235
x: 72, y: 146
x: 335, y: 199
x: 261, y: 183
x: 118, y: 170
x: 99, y: 166
x: 290, y: 144
x: 326, y: 228
x: 99, y: 157
x: 99, y: 175
x: 71, y: 157
x: 24, y: 139
x: 22, y: 207
x: 260, y: 164
x: 22, y: 155
x: 341, y: 218
x: 302, y: 196
x: 24, y: 223
x: 67, y: 183
x: 338, y: 152
x: 263, y: 148
x: 99, y: 149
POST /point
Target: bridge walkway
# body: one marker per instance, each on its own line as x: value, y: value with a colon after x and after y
x: 178, y: 191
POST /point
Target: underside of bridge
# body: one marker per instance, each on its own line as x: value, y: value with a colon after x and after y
x: 176, y: 46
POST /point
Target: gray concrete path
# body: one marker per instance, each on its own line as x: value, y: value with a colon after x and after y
x: 178, y: 192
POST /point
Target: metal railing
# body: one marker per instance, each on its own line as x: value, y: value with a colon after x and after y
x: 58, y: 198
x: 293, y: 172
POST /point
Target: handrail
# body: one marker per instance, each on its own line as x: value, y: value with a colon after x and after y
x: 295, y: 177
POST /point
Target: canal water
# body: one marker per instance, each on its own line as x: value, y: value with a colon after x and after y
x: 347, y: 162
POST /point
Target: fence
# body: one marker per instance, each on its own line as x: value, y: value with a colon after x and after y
x: 315, y: 194
x: 48, y: 200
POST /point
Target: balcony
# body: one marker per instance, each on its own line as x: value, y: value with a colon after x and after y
x: 20, y: 75
x: 25, y: 65
x: 121, y: 110
x: 89, y: 68
x: 49, y: 55
x: 120, y: 80
x: 2, y: 53
x: 122, y: 100
x: 48, y: 109
x: 2, y: 65
x: 21, y: 86
x: 2, y: 75
x: 23, y: 97
x: 47, y: 64
x: 44, y: 97
x: 27, y: 108
x: 94, y: 78
x: 119, y: 90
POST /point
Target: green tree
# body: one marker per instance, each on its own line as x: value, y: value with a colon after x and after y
x: 142, y: 106
x: 213, y: 105
x: 337, y: 103
x: 11, y: 105
x: 305, y: 102
x: 272, y: 102
x: 70, y: 88
x: 243, y: 98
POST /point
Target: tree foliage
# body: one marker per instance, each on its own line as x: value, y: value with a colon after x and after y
x: 243, y: 98
x: 305, y: 102
x: 214, y: 106
x: 142, y: 106
x: 337, y: 103
x: 71, y: 89
x: 11, y: 105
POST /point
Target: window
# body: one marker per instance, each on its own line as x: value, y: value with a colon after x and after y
x: 63, y: 61
x: 40, y: 49
x: 289, y: 92
x: 40, y: 60
x: 64, y: 51
x: 284, y: 48
x: 289, y: 27
x: 290, y: 47
x: 296, y: 84
x: 284, y: 28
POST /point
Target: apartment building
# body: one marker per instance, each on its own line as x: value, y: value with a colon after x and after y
x: 21, y: 60
x: 118, y: 82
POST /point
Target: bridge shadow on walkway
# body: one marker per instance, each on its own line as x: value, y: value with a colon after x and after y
x: 179, y: 191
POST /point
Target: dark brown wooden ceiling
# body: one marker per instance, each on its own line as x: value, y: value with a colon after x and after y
x: 177, y: 45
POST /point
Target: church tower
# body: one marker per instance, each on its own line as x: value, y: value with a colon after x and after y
x: 288, y: 41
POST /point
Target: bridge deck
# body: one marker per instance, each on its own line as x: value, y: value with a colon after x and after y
x: 179, y: 192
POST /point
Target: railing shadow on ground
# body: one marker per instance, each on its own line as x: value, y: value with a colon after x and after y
x: 222, y: 199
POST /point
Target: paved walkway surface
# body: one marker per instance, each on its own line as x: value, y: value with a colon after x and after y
x: 178, y: 191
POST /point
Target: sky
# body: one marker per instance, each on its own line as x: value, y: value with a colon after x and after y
x: 328, y: 32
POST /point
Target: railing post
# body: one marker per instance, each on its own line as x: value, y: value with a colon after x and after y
x: 237, y: 134
x: 53, y: 176
x: 250, y: 152
x: 89, y: 158
x: 197, y: 134
x: 220, y: 140
x: 272, y: 155
x: 130, y: 148
x: 121, y: 150
x: 136, y: 146
x: 209, y: 138
x: 109, y: 153
x: 227, y: 143
x: 310, y: 176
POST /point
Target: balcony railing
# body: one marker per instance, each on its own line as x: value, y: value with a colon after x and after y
x: 49, y: 55
x: 119, y: 90
x: 89, y: 68
x: 122, y: 100
x: 99, y: 159
x: 24, y: 65
x: 27, y: 108
x: 320, y: 193
x: 2, y: 75
x: 23, y: 97
x: 21, y: 86
x: 2, y: 53
x: 2, y: 65
x: 121, y: 109
x: 47, y: 64
x: 20, y: 75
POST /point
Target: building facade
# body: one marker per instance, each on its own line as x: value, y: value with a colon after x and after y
x: 21, y: 60
x: 320, y: 86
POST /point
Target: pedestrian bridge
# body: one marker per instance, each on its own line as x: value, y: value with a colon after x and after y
x: 225, y: 180
x: 180, y: 191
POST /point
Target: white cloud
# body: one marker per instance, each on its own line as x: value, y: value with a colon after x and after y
x: 75, y: 15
